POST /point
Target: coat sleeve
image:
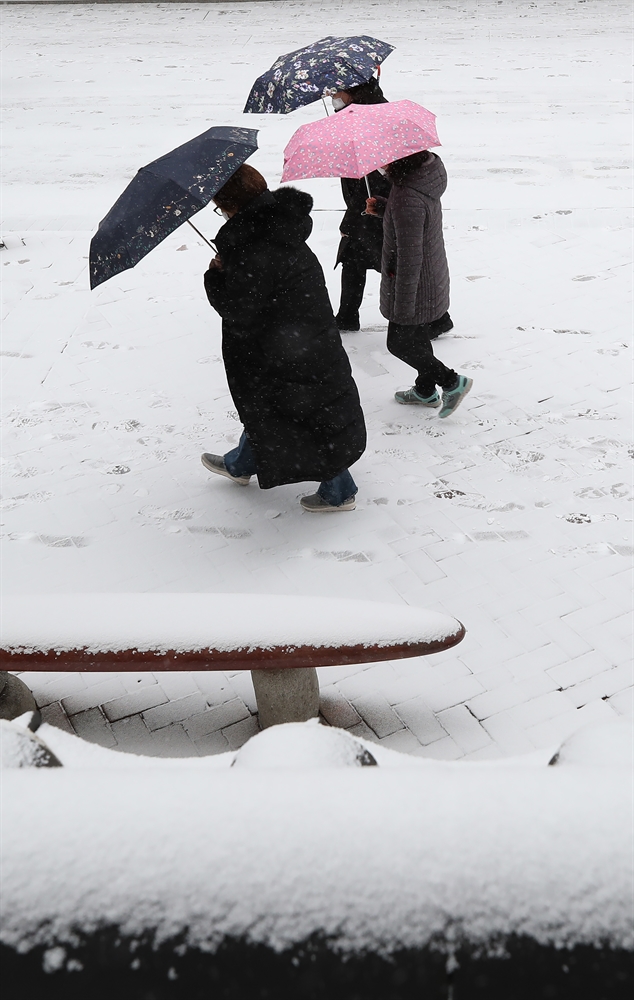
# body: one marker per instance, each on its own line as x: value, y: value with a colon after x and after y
x: 243, y: 288
x: 408, y: 220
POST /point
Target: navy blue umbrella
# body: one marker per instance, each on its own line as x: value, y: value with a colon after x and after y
x: 164, y: 195
x: 309, y: 74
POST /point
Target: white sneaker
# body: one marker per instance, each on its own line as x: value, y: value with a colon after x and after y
x: 216, y: 463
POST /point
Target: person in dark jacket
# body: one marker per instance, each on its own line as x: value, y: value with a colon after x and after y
x: 361, y: 234
x: 415, y: 278
x: 287, y: 370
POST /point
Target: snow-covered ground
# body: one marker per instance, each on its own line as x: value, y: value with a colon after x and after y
x: 514, y: 515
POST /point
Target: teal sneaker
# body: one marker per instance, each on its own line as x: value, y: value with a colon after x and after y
x: 411, y: 396
x: 452, y: 398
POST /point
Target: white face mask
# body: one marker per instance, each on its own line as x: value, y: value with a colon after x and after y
x: 382, y: 171
x: 224, y: 214
x: 338, y: 103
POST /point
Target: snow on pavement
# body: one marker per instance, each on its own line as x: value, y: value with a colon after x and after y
x: 514, y: 516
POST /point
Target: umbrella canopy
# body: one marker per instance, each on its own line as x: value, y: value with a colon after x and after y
x: 164, y: 195
x: 308, y: 74
x: 358, y: 139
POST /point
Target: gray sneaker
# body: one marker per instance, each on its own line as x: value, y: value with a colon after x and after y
x: 411, y: 396
x: 452, y: 398
x: 316, y: 504
x: 216, y: 463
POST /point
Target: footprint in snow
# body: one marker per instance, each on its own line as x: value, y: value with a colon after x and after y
x: 588, y: 518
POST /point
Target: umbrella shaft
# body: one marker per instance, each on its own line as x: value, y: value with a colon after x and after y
x: 204, y: 237
x: 367, y: 184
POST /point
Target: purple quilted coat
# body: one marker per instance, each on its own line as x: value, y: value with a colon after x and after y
x: 414, y: 272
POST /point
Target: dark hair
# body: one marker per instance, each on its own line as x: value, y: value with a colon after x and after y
x: 367, y: 93
x: 242, y: 187
x: 400, y: 169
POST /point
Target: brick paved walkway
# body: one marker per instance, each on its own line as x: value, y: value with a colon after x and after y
x: 514, y: 515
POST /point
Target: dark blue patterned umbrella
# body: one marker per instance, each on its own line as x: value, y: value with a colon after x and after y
x: 309, y: 74
x: 164, y: 195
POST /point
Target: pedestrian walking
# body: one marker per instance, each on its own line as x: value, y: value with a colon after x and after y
x: 361, y: 234
x: 288, y: 373
x: 415, y: 278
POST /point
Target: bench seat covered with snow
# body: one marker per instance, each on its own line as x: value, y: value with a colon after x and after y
x: 212, y: 632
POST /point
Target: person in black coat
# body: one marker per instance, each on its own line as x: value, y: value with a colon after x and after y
x: 361, y: 234
x: 287, y: 370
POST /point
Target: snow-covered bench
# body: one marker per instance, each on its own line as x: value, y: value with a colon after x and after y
x: 281, y: 639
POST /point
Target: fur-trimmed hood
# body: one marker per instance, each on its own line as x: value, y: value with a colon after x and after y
x: 281, y: 216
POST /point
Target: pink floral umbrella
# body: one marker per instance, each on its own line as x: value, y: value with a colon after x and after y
x: 357, y: 140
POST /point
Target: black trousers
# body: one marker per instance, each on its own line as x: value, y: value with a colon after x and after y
x: 412, y: 345
x: 352, y: 287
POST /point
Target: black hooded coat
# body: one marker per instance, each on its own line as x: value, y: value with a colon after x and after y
x: 363, y: 240
x: 287, y: 370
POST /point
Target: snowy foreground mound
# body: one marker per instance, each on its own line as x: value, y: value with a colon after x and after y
x: 273, y: 851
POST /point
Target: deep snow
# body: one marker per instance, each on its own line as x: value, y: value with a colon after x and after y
x: 374, y: 858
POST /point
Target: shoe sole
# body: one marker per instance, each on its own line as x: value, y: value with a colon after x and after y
x: 417, y: 402
x: 238, y: 480
x: 443, y: 416
x: 327, y: 510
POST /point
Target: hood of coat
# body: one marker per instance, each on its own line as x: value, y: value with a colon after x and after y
x: 281, y: 216
x: 430, y: 179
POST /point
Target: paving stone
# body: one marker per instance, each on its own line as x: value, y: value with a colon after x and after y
x: 377, y: 713
x: 565, y: 637
x: 496, y: 701
x: 92, y: 726
x: 177, y: 683
x: 443, y: 749
x: 139, y: 700
x: 602, y: 685
x: 92, y: 695
x: 363, y: 732
x: 133, y: 736
x: 243, y: 686
x: 623, y: 702
x: 174, y: 711
x: 215, y: 685
x: 216, y: 719
x: 442, y: 696
x: 507, y: 734
x: 494, y: 677
x: 336, y: 709
x: 418, y: 718
x: 49, y: 688
x: 579, y: 669
x: 55, y: 715
x: 489, y: 752
x: 540, y: 709
x: 539, y: 659
x: 403, y: 741
x: 538, y: 683
x: 137, y: 681
x: 464, y: 728
x: 560, y: 727
x: 238, y: 734
x: 211, y: 744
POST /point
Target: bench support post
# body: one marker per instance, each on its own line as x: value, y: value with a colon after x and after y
x: 289, y: 695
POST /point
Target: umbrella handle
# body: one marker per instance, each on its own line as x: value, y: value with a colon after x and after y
x: 204, y: 237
